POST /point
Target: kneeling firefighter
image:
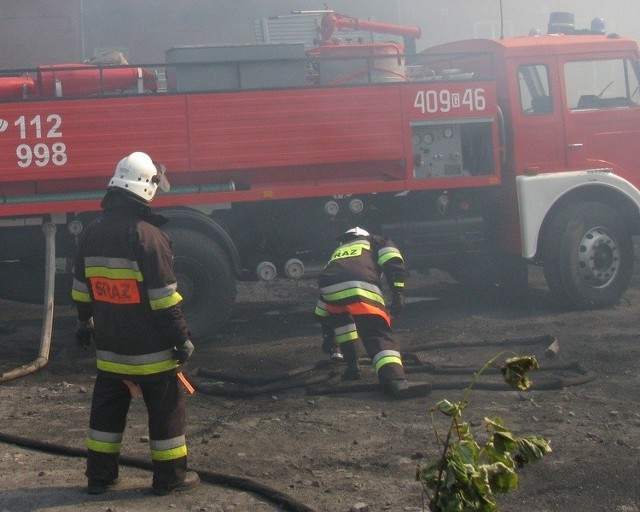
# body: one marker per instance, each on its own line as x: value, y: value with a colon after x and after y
x: 351, y: 306
x: 125, y: 292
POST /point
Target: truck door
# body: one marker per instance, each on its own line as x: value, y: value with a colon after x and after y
x: 537, y: 120
x: 602, y: 114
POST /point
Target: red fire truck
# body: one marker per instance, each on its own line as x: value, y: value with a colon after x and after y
x: 476, y: 157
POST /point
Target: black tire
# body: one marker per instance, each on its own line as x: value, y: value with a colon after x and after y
x: 588, y: 256
x: 205, y: 280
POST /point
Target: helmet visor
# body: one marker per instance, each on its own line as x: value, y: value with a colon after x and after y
x: 160, y: 178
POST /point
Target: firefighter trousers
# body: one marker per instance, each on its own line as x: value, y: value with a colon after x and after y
x: 165, y: 402
x: 377, y: 339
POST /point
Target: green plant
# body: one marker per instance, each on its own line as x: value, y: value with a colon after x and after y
x: 467, y: 477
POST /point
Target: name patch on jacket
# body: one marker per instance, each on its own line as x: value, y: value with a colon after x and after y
x: 347, y: 252
x: 115, y: 291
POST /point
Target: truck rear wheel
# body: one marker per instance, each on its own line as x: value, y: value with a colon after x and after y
x: 588, y: 256
x: 205, y: 281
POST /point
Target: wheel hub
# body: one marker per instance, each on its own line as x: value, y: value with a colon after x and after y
x: 599, y: 258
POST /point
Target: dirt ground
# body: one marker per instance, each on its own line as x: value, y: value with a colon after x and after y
x: 274, y: 443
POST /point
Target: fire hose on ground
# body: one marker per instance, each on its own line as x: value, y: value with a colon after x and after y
x: 323, y: 377
x: 211, y: 477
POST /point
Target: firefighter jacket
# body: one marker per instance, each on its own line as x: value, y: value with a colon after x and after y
x: 124, y: 279
x: 351, y: 280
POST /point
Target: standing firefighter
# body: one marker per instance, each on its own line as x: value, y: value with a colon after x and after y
x: 126, y: 296
x: 351, y: 306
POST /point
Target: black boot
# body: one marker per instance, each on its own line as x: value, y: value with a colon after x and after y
x: 191, y: 480
x: 100, y: 486
x: 401, y: 389
x: 331, y: 348
x: 350, y: 354
x: 351, y: 373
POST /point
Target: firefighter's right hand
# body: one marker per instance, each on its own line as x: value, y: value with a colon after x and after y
x: 397, y: 303
x: 183, y: 353
x: 85, y: 333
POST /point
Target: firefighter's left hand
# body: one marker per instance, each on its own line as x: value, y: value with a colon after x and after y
x: 85, y: 333
x: 397, y: 303
x: 183, y: 352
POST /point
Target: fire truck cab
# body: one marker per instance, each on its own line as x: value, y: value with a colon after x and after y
x: 568, y: 116
x: 571, y: 110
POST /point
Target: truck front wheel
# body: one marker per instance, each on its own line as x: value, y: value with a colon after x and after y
x: 205, y: 281
x: 588, y: 256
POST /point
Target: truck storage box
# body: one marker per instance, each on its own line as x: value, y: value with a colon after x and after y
x: 236, y: 67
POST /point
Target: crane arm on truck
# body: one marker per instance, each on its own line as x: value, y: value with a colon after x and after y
x: 332, y: 21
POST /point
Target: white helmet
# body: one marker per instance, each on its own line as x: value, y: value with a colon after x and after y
x: 140, y: 176
x: 352, y: 233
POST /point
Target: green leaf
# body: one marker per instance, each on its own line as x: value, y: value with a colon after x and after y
x: 463, y: 432
x: 450, y: 409
x: 515, y: 371
x: 502, y: 478
x: 503, y: 440
x: 429, y: 474
x: 467, y: 452
x: 496, y: 423
x: 494, y: 455
x: 531, y: 449
x: 481, y: 486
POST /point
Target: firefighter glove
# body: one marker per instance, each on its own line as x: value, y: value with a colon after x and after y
x: 397, y: 302
x: 85, y: 333
x: 183, y: 353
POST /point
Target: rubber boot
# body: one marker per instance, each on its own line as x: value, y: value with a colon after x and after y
x: 331, y: 348
x: 351, y: 358
x: 401, y: 389
x: 351, y: 373
x: 335, y: 355
x: 191, y: 480
x: 100, y: 486
x: 394, y: 383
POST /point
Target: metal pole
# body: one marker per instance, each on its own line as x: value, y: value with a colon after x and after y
x: 83, y: 53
